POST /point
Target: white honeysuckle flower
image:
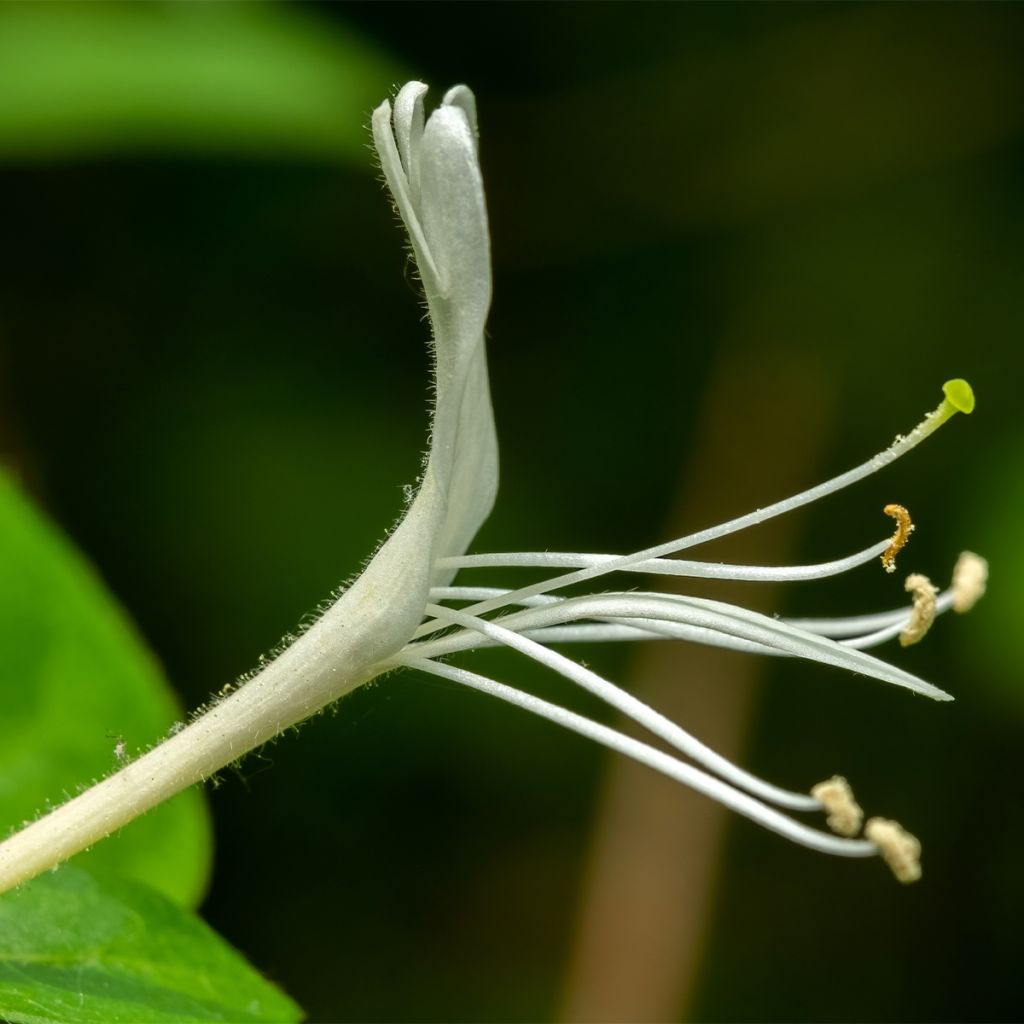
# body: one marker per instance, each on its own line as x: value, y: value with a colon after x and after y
x: 399, y: 612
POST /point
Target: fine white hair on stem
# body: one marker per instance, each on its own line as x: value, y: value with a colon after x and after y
x: 689, y: 775
x: 594, y: 632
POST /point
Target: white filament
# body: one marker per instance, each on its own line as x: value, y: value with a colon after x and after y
x: 702, y: 782
x: 668, y: 566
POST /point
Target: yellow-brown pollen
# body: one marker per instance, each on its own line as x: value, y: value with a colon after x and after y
x: 904, y: 528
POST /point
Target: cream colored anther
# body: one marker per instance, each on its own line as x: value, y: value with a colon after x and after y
x: 844, y: 813
x: 898, y: 848
x: 970, y: 576
x: 922, y: 615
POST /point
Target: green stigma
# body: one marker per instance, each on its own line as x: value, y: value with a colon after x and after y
x: 959, y: 394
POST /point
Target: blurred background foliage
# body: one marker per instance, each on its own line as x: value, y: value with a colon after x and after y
x: 212, y: 374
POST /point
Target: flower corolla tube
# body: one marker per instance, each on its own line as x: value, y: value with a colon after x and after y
x: 405, y: 612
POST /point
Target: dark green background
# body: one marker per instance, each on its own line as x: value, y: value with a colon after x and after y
x: 212, y: 373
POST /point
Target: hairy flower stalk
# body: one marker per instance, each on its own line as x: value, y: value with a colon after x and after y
x: 403, y: 611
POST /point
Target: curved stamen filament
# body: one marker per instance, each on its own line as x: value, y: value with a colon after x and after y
x: 889, y: 623
x: 608, y: 629
x: 858, y: 632
x: 458, y: 593
x: 723, y: 618
x: 668, y: 566
x: 689, y: 775
x: 641, y: 713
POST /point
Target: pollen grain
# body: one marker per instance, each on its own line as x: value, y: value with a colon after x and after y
x: 904, y: 528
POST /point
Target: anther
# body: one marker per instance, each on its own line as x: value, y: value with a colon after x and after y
x: 844, y: 813
x: 922, y: 615
x: 970, y: 575
x: 898, y: 848
x: 904, y: 528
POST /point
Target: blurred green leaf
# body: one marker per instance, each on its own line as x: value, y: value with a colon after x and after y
x: 75, y: 682
x: 990, y: 654
x: 75, y: 949
x: 226, y: 77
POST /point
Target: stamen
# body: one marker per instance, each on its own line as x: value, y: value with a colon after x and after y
x: 858, y: 626
x: 640, y: 712
x: 844, y: 813
x: 970, y: 576
x: 666, y: 566
x: 646, y: 629
x: 899, y: 849
x: 687, y: 774
x: 922, y: 615
x: 730, y: 620
x: 862, y: 631
x: 958, y: 398
x: 904, y: 528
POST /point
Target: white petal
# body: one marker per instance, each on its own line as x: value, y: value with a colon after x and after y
x: 408, y: 117
x: 447, y: 223
x: 464, y: 446
x: 398, y: 183
x: 454, y: 220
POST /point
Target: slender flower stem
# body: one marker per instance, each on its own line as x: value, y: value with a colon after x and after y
x: 247, y: 718
x: 858, y: 625
x: 731, y: 620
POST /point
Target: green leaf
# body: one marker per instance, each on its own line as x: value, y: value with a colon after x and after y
x: 990, y: 652
x: 75, y: 681
x: 77, y: 949
x: 224, y: 77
